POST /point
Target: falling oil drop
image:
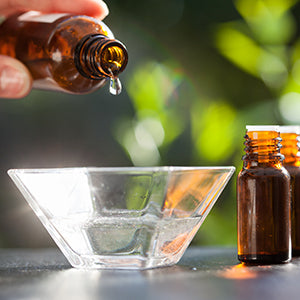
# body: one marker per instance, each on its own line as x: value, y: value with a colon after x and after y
x: 115, y: 86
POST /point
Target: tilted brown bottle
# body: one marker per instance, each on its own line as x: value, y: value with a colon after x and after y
x: 70, y: 53
x: 263, y: 200
x: 290, y: 149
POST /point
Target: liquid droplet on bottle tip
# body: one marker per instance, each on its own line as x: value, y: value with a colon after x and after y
x: 115, y: 86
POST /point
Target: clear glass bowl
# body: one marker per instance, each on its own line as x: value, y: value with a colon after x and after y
x: 122, y: 218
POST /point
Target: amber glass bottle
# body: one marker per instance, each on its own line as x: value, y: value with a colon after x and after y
x: 290, y: 150
x: 263, y: 200
x: 70, y: 53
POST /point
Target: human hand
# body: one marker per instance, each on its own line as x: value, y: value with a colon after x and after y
x: 15, y: 79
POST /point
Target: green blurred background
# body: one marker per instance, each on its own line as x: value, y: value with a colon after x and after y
x: 199, y: 71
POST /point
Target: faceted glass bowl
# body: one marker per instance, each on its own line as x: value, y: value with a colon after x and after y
x: 122, y: 218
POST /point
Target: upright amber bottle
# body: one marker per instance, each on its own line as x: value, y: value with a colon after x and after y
x: 263, y: 200
x: 290, y: 150
x: 70, y: 53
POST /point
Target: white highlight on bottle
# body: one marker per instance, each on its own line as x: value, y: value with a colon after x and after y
x: 289, y: 129
x: 262, y: 128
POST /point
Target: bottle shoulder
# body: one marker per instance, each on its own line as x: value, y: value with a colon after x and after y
x: 81, y: 26
x: 70, y: 30
x: 293, y: 170
x: 264, y: 171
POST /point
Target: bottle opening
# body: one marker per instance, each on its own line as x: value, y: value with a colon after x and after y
x: 113, y: 58
x: 97, y: 56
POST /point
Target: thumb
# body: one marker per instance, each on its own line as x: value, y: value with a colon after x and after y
x: 15, y: 79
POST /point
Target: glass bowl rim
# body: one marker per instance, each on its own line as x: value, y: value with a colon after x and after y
x: 123, y: 170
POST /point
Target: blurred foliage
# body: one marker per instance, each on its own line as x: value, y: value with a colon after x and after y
x: 169, y: 104
x: 209, y: 127
x: 158, y: 120
x: 198, y: 72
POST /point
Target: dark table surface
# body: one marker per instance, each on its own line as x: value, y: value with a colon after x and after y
x: 203, y: 273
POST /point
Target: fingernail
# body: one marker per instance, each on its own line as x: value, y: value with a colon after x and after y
x: 13, y: 82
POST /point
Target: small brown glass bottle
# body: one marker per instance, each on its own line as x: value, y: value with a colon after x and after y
x: 263, y: 200
x: 290, y: 150
x: 70, y: 53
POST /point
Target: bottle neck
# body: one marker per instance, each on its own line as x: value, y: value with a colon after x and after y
x: 290, y: 148
x: 97, y: 56
x: 262, y: 148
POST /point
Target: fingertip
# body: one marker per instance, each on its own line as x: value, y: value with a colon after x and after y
x: 105, y: 10
x: 100, y: 9
x: 15, y: 79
